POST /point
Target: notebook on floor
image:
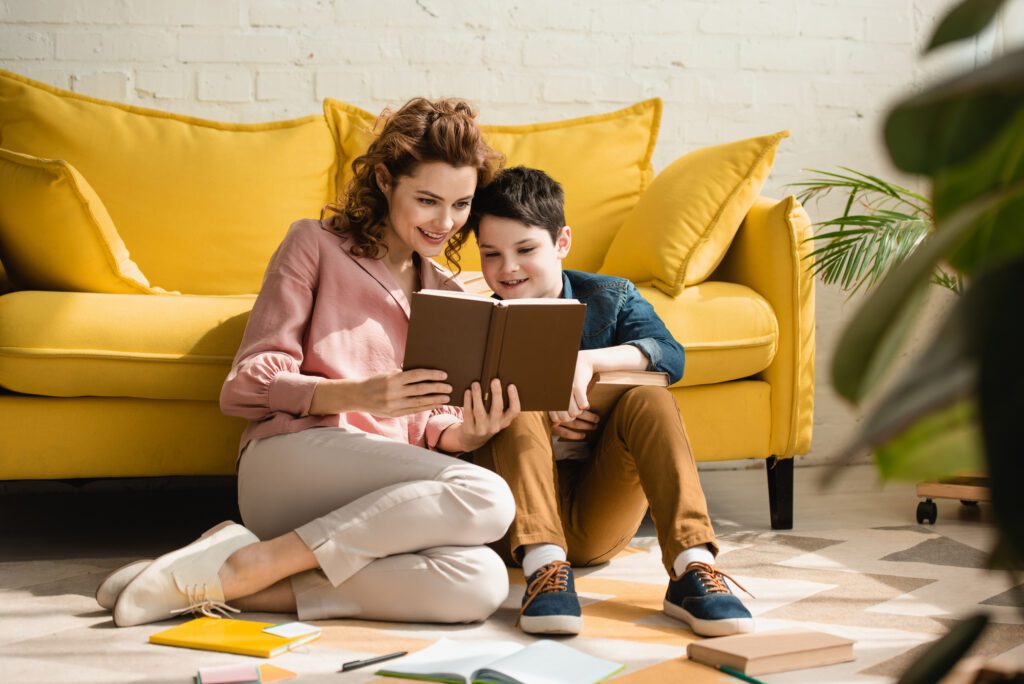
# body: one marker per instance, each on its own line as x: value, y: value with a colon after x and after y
x: 245, y: 637
x: 501, y: 662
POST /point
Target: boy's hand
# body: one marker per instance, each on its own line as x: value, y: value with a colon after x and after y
x: 580, y: 381
x: 576, y: 430
x: 478, y: 424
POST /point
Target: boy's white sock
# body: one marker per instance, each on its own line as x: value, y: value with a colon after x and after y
x: 700, y: 553
x: 536, y: 556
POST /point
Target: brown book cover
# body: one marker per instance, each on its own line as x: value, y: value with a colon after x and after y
x: 767, y: 652
x: 607, y: 387
x: 529, y: 343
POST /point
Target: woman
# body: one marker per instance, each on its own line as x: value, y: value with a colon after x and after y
x: 339, y: 470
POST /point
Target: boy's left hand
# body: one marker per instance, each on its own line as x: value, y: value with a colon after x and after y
x: 578, y: 403
x: 576, y: 430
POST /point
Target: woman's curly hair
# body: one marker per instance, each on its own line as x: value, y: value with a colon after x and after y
x: 422, y: 130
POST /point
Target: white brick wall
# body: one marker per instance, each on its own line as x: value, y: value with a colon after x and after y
x: 726, y: 69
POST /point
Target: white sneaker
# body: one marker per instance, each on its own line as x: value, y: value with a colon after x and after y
x: 182, y: 581
x: 114, y: 583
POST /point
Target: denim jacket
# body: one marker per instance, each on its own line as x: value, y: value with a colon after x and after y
x: 618, y: 314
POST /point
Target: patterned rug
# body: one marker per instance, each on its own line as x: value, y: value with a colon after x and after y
x: 891, y: 589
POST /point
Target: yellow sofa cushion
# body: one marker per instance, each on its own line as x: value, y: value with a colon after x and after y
x: 55, y: 233
x: 603, y: 162
x: 727, y: 420
x: 70, y: 344
x: 683, y: 225
x: 728, y: 330
x: 352, y: 130
x: 201, y: 204
x: 114, y: 437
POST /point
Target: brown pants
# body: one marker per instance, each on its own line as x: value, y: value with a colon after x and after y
x: 593, y: 507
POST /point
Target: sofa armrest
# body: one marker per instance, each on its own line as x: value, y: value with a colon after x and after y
x: 767, y: 256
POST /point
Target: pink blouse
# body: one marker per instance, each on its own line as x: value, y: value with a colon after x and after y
x: 324, y: 313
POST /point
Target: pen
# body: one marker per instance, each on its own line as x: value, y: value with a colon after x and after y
x: 738, y: 675
x: 370, y: 661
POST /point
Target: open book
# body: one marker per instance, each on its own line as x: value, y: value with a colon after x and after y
x: 501, y: 662
x: 529, y: 343
x: 767, y: 652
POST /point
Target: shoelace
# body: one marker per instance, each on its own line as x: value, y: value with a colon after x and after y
x: 554, y: 577
x: 200, y: 603
x: 713, y: 579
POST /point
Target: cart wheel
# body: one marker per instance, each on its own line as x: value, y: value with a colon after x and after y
x: 968, y: 502
x: 927, y: 511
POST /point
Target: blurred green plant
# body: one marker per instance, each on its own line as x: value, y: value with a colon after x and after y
x: 881, y: 225
x: 959, y: 404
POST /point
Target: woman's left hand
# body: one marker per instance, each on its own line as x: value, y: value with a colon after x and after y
x: 480, y: 424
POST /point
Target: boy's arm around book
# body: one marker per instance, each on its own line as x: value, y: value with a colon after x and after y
x: 641, y: 342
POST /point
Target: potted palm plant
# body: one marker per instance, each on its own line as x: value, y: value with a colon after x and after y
x: 882, y: 224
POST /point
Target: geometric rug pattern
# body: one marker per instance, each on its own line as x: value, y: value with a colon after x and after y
x: 891, y: 589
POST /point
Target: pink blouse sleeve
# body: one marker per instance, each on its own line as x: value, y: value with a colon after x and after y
x: 438, y: 421
x: 265, y: 376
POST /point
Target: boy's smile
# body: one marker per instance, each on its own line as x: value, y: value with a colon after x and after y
x: 519, y: 260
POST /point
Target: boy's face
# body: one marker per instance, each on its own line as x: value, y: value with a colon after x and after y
x: 520, y: 260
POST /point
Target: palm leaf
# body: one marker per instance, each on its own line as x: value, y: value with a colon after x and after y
x: 881, y: 224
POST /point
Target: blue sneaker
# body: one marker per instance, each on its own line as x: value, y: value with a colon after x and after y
x: 550, y: 605
x: 702, y: 600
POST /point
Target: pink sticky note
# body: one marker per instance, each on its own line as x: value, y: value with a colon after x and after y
x: 229, y: 674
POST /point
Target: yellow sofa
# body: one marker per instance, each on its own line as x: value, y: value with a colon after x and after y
x: 134, y: 242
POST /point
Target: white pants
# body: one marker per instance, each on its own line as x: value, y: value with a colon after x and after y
x: 398, y: 531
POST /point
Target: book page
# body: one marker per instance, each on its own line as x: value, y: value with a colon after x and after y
x: 549, y: 662
x: 456, y: 294
x: 449, y: 659
x: 537, y: 300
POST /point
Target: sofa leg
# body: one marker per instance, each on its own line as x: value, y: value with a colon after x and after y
x: 780, y: 492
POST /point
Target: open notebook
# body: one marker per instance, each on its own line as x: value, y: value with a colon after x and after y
x: 501, y: 662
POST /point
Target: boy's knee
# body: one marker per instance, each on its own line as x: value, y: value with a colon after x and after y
x: 648, y: 395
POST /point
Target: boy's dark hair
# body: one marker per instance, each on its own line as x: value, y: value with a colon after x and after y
x: 523, y: 194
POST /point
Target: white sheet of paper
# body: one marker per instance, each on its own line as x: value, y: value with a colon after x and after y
x: 291, y: 630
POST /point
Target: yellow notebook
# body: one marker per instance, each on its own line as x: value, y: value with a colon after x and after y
x: 244, y: 637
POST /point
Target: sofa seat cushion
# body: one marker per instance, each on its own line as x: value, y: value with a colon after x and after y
x: 728, y: 330
x: 71, y: 344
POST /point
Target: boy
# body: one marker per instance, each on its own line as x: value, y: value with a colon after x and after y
x: 584, y: 511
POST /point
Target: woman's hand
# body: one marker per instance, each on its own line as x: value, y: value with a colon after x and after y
x: 394, y: 394
x: 576, y: 430
x: 478, y: 424
x: 578, y: 403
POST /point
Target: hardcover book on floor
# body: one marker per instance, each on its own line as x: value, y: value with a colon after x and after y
x: 768, y: 652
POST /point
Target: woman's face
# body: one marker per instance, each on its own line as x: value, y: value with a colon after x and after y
x: 426, y: 207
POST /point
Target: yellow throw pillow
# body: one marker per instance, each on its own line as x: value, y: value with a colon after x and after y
x: 352, y: 129
x: 603, y: 162
x: 683, y: 225
x: 201, y: 204
x: 55, y: 233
